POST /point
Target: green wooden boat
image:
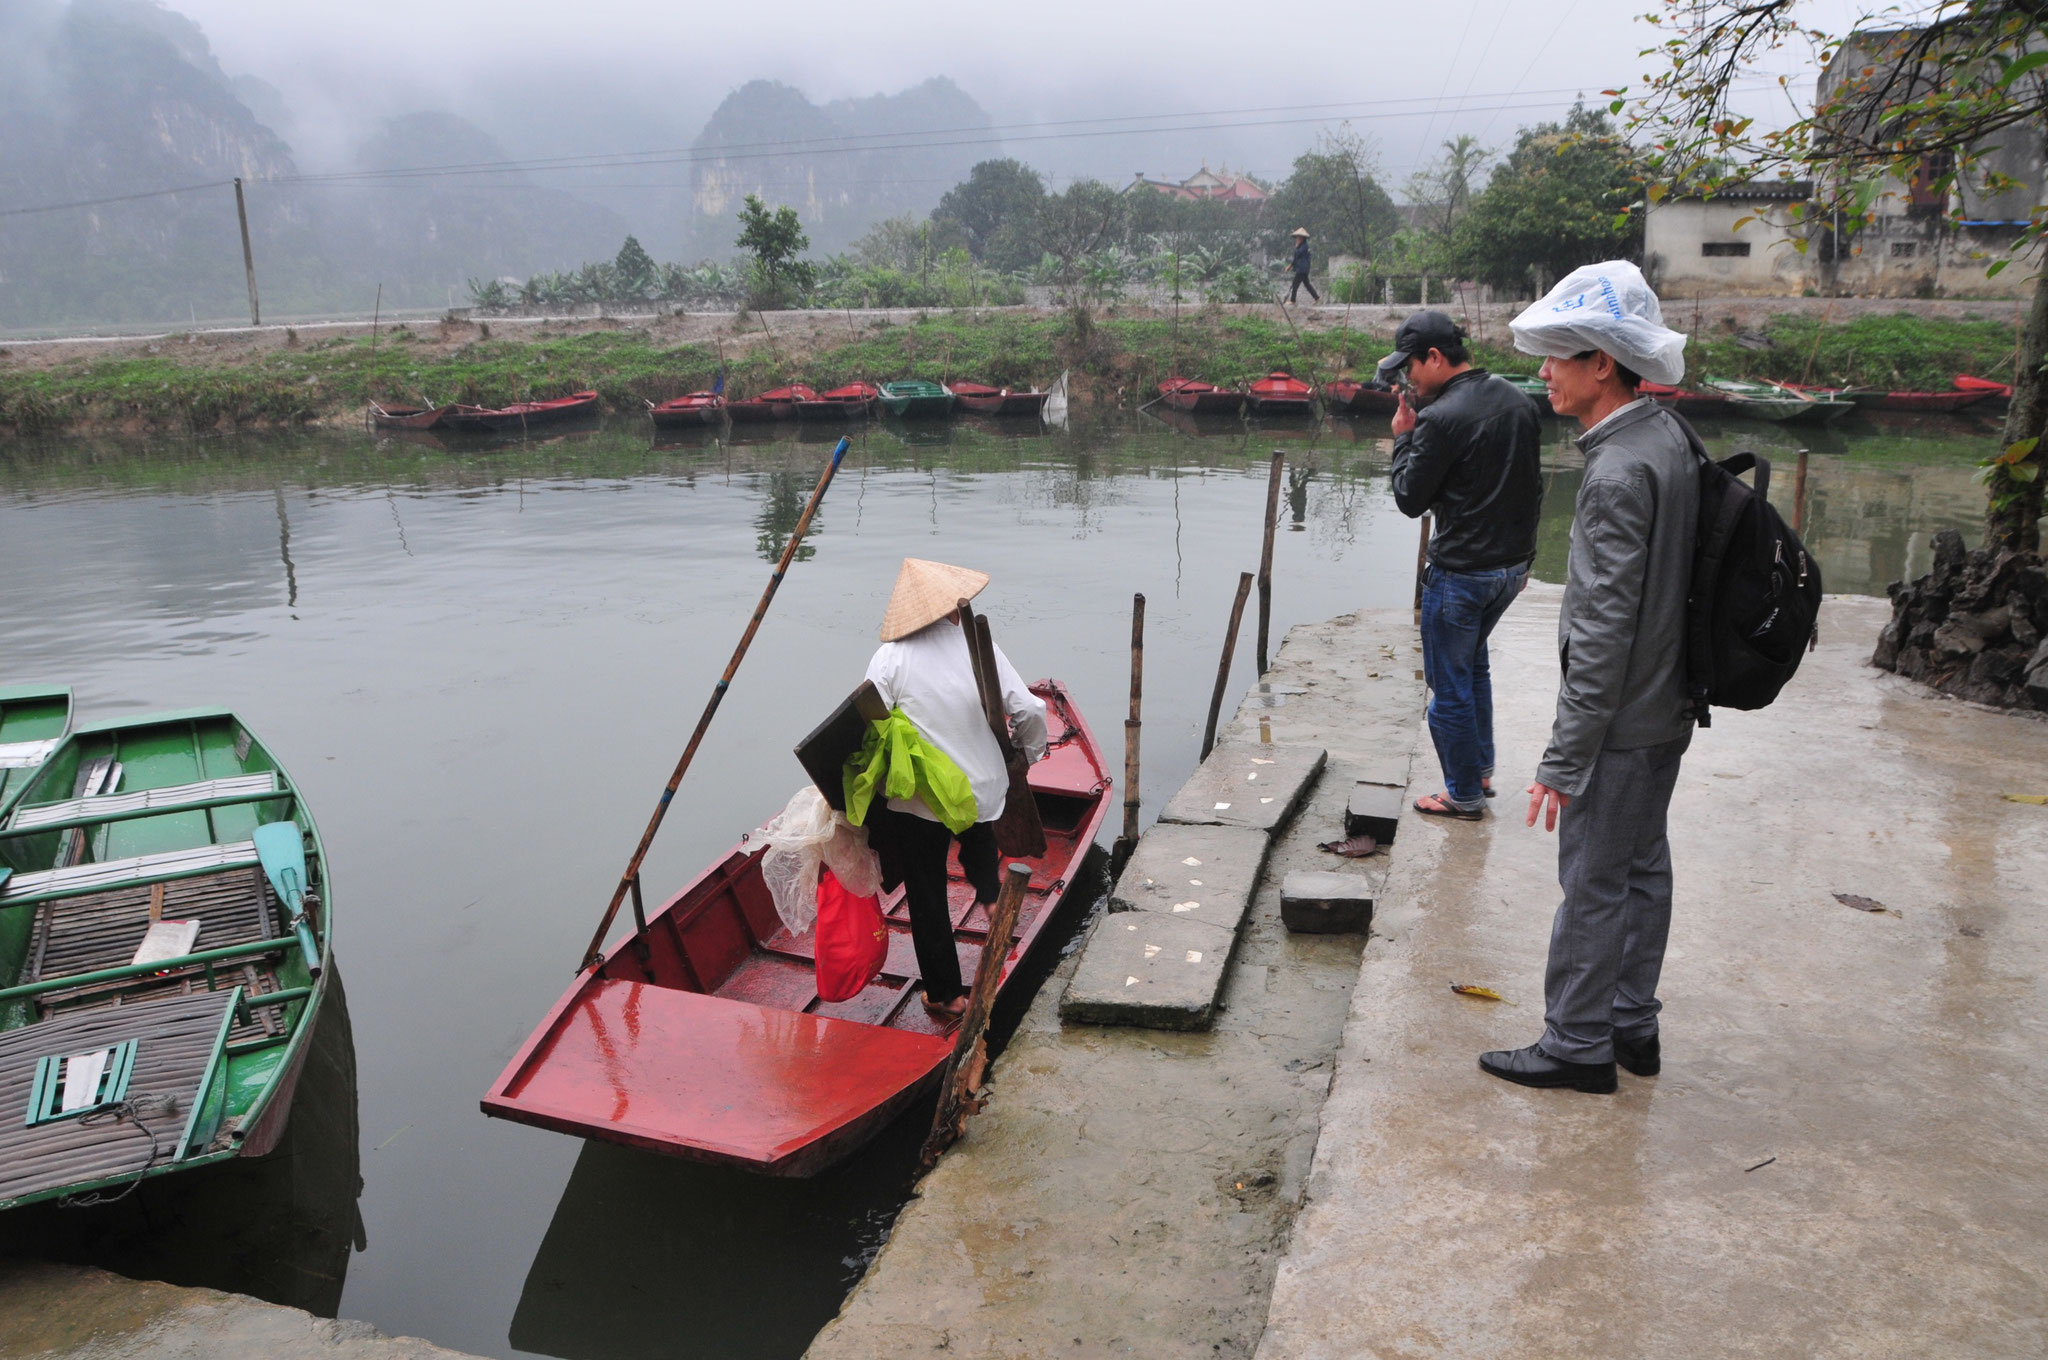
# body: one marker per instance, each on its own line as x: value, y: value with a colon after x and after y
x: 1775, y: 401
x: 157, y: 991
x: 915, y: 398
x: 33, y: 720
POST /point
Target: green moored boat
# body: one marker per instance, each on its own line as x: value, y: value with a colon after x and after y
x: 1533, y: 388
x: 914, y: 398
x: 1777, y: 402
x: 165, y: 939
x: 33, y: 720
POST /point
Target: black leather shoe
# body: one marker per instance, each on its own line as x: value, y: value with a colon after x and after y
x: 1640, y: 1056
x: 1531, y: 1066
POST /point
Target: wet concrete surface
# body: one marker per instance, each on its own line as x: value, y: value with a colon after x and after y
x: 1129, y: 1192
x: 81, y: 1313
x: 1843, y: 1153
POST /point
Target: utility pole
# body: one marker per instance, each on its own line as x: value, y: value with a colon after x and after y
x: 248, y: 259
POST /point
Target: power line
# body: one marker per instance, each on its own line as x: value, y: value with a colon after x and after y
x: 118, y: 198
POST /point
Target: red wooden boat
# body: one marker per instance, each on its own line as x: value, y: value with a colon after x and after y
x: 854, y: 401
x: 1687, y: 401
x: 1281, y: 394
x: 777, y: 403
x: 1997, y: 395
x: 1360, y: 398
x: 692, y: 409
x: 407, y: 417
x: 519, y: 416
x: 1185, y: 394
x: 999, y: 401
x: 703, y: 1036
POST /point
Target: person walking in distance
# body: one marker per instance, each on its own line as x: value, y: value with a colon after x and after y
x: 1471, y: 457
x: 1623, y: 718
x: 1301, y: 263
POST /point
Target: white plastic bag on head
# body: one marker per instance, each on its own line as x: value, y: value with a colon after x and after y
x: 806, y: 834
x: 1609, y: 307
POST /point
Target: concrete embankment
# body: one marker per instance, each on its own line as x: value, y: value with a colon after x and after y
x: 1843, y: 1154
x: 81, y: 1313
x: 1129, y: 1190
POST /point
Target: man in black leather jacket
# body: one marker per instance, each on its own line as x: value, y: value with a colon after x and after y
x: 1470, y: 456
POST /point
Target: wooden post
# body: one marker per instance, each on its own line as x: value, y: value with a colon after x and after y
x: 1120, y: 853
x: 1799, y: 496
x: 1244, y: 589
x: 1421, y: 564
x: 964, y: 1069
x: 248, y: 259
x: 376, y: 315
x: 1266, y: 556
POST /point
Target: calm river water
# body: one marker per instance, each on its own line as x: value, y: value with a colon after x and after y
x: 480, y: 665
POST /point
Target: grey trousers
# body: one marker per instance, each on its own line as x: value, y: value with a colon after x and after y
x: 1607, y: 944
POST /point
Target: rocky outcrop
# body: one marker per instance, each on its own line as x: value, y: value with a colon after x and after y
x: 1976, y: 626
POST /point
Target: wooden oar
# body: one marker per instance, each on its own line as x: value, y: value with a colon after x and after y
x: 282, y: 850
x: 965, y: 1068
x: 630, y: 880
x: 1018, y: 831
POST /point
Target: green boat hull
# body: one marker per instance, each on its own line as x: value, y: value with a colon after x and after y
x: 30, y: 716
x: 916, y: 399
x: 238, y: 1009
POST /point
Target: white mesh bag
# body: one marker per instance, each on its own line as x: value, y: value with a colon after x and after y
x: 806, y: 834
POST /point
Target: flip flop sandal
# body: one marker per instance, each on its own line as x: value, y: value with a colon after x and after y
x: 1446, y: 808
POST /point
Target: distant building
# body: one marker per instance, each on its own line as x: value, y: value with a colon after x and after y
x: 1204, y: 183
x: 1921, y: 239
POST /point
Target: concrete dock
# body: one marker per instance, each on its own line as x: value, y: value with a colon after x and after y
x: 1844, y: 1153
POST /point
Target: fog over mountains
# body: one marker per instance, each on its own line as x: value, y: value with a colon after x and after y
x: 109, y: 98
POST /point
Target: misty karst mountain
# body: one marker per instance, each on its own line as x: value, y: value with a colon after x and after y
x: 104, y: 98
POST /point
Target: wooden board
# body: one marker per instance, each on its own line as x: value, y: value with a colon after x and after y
x: 824, y: 753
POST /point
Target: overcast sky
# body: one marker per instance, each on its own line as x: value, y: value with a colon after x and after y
x: 630, y: 75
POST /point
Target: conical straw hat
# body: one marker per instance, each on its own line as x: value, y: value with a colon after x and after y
x: 1300, y: 231
x: 925, y: 593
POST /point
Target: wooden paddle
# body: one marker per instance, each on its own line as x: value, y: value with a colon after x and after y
x: 1018, y: 831
x: 281, y: 848
x: 965, y: 1069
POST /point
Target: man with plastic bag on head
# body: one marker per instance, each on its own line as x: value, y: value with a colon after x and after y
x: 1622, y: 725
x: 945, y: 778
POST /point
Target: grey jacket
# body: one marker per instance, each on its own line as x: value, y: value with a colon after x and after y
x: 1621, y: 633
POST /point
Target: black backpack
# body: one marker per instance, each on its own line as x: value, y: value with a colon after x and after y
x: 1755, y: 595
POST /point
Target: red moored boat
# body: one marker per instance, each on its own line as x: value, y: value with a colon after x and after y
x: 1996, y: 394
x: 695, y: 408
x: 854, y: 401
x: 999, y: 401
x: 777, y: 403
x: 1878, y: 399
x: 519, y: 416
x: 703, y: 1036
x: 407, y: 417
x: 1200, y: 398
x: 1281, y: 394
x: 1360, y: 398
x: 1686, y: 401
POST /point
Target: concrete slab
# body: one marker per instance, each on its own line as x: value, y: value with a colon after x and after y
x: 1203, y: 873
x: 1375, y: 811
x: 1322, y: 902
x: 1843, y: 1154
x: 1246, y: 784
x: 1148, y: 969
x: 82, y: 1313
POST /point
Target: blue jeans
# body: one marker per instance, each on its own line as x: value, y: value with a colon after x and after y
x: 1459, y: 610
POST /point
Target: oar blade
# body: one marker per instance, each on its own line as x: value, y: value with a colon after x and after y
x: 281, y: 849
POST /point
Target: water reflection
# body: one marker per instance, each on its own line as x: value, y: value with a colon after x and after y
x: 279, y: 1227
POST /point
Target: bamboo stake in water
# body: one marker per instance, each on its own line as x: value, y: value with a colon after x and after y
x: 1244, y: 589
x: 964, y: 1069
x: 1121, y: 851
x: 1266, y: 555
x: 1799, y: 495
x: 630, y: 880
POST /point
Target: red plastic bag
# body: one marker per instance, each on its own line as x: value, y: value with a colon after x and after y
x: 852, y: 940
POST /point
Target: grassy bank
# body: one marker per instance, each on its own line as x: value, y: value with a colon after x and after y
x: 1115, y: 361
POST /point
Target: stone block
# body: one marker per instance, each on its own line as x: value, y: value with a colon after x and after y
x: 1318, y: 902
x: 1246, y: 783
x: 1148, y: 969
x: 1375, y: 811
x: 1203, y: 873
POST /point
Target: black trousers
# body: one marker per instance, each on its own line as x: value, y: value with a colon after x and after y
x: 1301, y: 282
x: 913, y: 853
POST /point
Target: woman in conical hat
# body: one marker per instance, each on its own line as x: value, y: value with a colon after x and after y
x: 924, y: 669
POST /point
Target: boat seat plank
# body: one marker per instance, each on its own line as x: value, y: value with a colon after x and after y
x: 176, y: 1038
x: 134, y: 869
x: 83, y: 934
x: 257, y: 979
x: 26, y: 755
x: 169, y: 799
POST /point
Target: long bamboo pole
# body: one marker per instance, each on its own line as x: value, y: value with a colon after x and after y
x: 1244, y: 588
x: 629, y: 882
x: 1121, y: 851
x: 1799, y: 495
x: 1266, y: 555
x: 969, y: 1061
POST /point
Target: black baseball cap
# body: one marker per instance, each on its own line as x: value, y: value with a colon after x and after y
x: 1418, y: 335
